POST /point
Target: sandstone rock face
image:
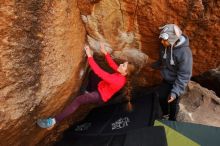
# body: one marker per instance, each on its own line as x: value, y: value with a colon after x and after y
x: 124, y: 24
x: 210, y: 80
x: 199, y: 105
x: 41, y: 64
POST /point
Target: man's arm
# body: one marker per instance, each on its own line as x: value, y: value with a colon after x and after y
x: 184, y: 73
x: 156, y: 64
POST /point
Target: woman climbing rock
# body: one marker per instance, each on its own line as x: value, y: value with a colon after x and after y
x: 107, y: 87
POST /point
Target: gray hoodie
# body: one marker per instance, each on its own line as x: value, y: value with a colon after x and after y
x: 180, y: 73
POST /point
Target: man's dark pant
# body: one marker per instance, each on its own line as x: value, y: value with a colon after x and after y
x: 172, y: 108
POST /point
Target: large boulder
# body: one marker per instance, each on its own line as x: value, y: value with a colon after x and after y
x: 41, y: 64
x: 199, y: 105
x: 210, y: 79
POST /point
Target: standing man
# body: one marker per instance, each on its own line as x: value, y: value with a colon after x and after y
x: 175, y: 64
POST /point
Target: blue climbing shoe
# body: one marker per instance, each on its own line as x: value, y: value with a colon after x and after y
x: 46, y: 123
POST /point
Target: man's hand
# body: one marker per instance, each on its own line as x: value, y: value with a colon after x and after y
x: 102, y: 48
x: 171, y: 99
x: 88, y: 51
x: 156, y: 65
x: 149, y: 67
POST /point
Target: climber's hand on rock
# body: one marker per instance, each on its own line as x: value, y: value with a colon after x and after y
x: 102, y: 48
x: 88, y: 51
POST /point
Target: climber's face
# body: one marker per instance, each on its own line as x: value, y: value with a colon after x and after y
x: 165, y: 43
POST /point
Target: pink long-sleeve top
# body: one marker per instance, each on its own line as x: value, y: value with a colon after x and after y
x: 110, y: 83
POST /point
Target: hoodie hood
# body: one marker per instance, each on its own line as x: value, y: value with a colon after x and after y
x: 171, y: 33
x: 183, y: 42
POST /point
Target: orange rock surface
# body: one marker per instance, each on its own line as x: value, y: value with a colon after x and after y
x: 39, y: 68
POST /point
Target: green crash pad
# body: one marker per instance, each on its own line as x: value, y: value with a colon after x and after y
x: 190, y: 134
x: 174, y: 138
